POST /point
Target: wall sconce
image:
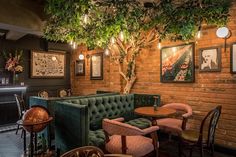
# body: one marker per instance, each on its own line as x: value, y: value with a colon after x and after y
x: 81, y: 56
x: 223, y: 32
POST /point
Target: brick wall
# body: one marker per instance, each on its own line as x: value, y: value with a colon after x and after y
x: 208, y: 90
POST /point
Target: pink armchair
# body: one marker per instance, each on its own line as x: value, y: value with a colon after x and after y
x: 175, y: 126
x: 123, y: 138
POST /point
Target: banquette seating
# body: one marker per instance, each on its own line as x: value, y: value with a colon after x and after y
x: 49, y: 103
x: 78, y: 122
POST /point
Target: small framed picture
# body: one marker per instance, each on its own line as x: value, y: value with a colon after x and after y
x: 80, y: 68
x: 210, y: 59
x: 233, y: 59
x: 96, y: 66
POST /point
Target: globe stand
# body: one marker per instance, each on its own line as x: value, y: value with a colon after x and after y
x: 30, y: 127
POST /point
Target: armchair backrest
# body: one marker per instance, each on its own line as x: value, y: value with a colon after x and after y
x: 213, y: 118
x: 113, y: 127
x: 20, y: 105
x: 86, y: 151
x: 43, y: 94
x: 181, y: 107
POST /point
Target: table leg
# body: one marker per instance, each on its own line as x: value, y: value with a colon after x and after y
x: 154, y: 121
x: 31, y: 144
x: 24, y: 136
x: 35, y: 142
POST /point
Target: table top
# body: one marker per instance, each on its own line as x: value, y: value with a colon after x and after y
x: 161, y: 112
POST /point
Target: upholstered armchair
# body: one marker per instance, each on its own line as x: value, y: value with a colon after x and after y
x: 122, y: 138
x: 204, y: 137
x: 175, y: 126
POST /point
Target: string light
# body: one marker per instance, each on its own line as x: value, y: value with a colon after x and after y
x: 74, y: 45
x: 121, y: 36
x: 113, y: 40
x: 86, y: 18
x: 199, y: 33
x: 159, y: 44
x: 107, y: 52
x: 71, y: 42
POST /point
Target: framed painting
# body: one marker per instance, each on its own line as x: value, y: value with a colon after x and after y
x: 177, y: 63
x: 233, y: 58
x: 80, y: 68
x: 49, y: 64
x: 210, y: 59
x: 96, y: 66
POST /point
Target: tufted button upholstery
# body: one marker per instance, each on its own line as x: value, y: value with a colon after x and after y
x: 96, y: 138
x: 141, y: 123
x: 109, y: 107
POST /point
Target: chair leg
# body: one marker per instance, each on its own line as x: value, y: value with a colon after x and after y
x: 191, y: 152
x: 201, y: 150
x: 18, y: 126
x: 212, y: 150
x: 180, y: 147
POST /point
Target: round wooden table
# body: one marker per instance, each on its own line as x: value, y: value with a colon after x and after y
x: 161, y: 112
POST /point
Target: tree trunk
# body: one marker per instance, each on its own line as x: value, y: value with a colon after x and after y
x: 129, y: 85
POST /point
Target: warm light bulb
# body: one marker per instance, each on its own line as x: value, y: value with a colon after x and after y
x: 71, y: 42
x: 107, y: 52
x: 113, y: 40
x: 85, y: 18
x: 74, y: 45
x: 121, y: 36
x: 199, y: 34
x: 159, y: 45
x: 81, y: 56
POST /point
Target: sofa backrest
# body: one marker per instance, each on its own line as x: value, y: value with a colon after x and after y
x: 109, y: 106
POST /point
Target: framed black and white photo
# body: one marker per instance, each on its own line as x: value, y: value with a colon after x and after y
x: 96, y: 66
x: 210, y: 59
x: 80, y: 68
x: 233, y: 58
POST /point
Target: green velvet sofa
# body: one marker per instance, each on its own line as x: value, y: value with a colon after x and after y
x: 50, y: 102
x: 78, y: 121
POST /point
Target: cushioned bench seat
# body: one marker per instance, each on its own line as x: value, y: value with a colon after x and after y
x: 97, y: 137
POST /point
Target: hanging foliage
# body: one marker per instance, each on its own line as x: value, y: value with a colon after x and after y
x: 126, y: 26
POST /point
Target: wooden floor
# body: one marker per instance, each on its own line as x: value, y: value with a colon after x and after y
x: 11, y: 145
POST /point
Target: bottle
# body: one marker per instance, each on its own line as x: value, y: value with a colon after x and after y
x: 155, y: 103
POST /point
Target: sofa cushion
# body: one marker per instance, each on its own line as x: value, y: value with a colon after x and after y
x: 96, y: 138
x: 141, y: 123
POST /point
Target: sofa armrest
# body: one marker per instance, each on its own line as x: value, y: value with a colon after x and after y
x: 71, y: 126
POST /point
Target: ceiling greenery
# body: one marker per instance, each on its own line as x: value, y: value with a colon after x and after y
x: 171, y: 19
x: 125, y: 27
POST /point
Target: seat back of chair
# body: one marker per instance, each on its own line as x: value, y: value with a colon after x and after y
x: 20, y: 105
x: 212, y: 117
x: 62, y: 93
x: 181, y: 107
x: 43, y: 94
x: 86, y: 151
x: 113, y: 127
